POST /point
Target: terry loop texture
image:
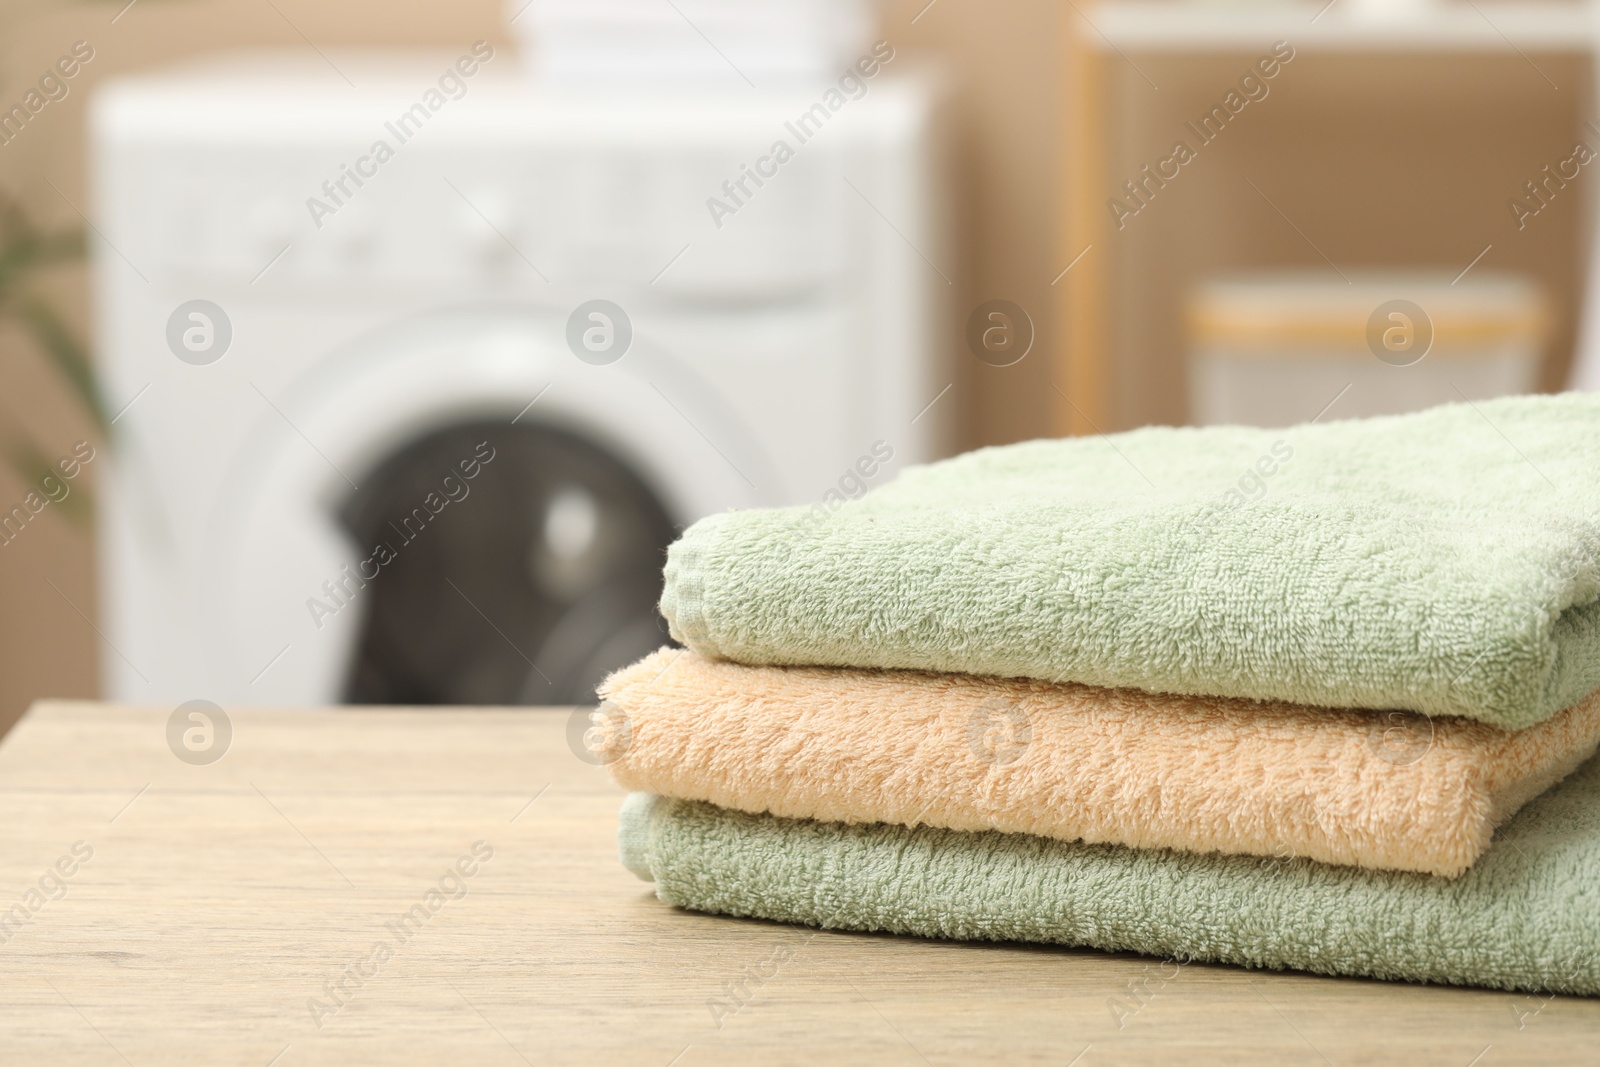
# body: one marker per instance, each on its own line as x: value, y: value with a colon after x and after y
x: 1446, y: 562
x: 1526, y: 917
x: 1205, y: 774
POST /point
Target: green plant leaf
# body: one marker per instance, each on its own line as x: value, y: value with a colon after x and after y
x: 33, y: 468
x: 24, y: 251
x: 53, y: 339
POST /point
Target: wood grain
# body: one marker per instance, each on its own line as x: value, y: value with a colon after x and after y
x: 219, y: 899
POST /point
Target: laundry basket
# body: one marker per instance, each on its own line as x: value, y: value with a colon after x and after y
x: 1281, y: 348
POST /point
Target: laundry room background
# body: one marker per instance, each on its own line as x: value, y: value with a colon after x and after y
x: 1378, y: 148
x: 51, y: 626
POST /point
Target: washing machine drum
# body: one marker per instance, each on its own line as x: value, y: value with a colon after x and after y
x: 525, y: 583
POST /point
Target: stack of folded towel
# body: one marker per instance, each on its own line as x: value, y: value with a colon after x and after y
x: 1289, y: 698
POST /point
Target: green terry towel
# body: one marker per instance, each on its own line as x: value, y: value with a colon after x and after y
x: 1446, y: 562
x: 1527, y: 916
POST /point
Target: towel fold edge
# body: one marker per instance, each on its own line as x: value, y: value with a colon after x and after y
x: 633, y: 833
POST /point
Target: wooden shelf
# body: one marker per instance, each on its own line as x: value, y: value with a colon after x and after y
x: 1451, y: 26
x: 1101, y: 36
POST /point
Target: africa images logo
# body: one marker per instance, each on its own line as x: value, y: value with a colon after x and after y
x: 341, y: 590
x: 451, y: 86
x: 809, y: 123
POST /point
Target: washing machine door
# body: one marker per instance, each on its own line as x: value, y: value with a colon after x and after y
x: 460, y: 511
x: 534, y: 534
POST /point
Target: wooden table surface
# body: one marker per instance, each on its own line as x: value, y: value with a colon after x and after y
x: 163, y: 912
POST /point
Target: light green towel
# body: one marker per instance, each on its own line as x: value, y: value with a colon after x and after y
x: 1446, y: 562
x: 1527, y: 916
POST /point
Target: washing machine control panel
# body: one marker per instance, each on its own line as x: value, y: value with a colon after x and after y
x: 546, y: 200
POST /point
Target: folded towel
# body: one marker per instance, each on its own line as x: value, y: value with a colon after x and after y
x: 1526, y: 917
x: 1447, y: 562
x: 1372, y: 789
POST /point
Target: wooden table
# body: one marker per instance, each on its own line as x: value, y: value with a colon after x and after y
x: 222, y: 902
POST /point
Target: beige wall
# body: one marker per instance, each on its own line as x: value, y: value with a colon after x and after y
x: 1006, y: 62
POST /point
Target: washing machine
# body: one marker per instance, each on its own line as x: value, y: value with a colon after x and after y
x: 417, y: 366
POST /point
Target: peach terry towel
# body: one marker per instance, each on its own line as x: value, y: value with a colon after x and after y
x: 1388, y: 790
